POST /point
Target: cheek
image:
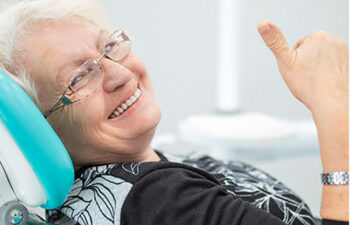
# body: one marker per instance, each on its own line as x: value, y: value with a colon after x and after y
x: 68, y: 128
x: 92, y: 108
x: 88, y: 113
x: 147, y: 83
x: 146, y: 120
x: 136, y: 65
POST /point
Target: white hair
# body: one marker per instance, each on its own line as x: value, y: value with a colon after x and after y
x: 18, y: 20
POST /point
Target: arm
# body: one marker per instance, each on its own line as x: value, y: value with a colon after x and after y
x: 333, y: 138
x: 316, y: 71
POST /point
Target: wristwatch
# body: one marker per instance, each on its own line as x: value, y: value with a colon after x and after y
x: 335, y: 178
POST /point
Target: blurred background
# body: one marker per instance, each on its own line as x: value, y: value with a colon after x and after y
x: 179, y: 42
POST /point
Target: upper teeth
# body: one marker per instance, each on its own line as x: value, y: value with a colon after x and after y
x: 126, y: 104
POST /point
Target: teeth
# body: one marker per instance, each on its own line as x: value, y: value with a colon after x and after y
x: 126, y: 104
x: 137, y: 93
x: 120, y: 109
x: 132, y: 99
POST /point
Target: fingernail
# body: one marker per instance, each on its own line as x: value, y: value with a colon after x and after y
x: 265, y: 30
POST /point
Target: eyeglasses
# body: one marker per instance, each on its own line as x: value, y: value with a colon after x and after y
x: 88, y: 77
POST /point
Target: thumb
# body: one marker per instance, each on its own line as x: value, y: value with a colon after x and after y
x: 275, y: 41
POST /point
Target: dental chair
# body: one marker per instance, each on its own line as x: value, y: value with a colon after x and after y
x: 35, y: 168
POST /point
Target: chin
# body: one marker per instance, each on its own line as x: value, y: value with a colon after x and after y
x: 146, y: 122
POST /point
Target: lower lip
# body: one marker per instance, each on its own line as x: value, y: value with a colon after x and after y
x: 130, y: 109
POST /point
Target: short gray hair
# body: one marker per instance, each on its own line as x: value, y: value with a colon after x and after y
x: 17, y: 21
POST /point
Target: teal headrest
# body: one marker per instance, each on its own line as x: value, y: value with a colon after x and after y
x: 37, y: 140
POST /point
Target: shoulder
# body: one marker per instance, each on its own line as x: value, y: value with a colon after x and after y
x: 95, y: 198
x: 99, y: 192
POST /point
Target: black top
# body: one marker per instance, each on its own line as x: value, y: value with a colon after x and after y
x: 189, y: 190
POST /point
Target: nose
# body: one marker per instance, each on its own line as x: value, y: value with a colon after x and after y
x: 115, y: 74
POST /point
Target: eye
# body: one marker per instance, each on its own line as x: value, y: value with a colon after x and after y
x: 86, y: 78
x: 81, y: 75
x: 77, y: 79
x: 109, y: 46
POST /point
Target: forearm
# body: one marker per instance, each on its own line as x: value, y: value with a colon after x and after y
x: 333, y: 133
x: 335, y: 204
x: 316, y: 71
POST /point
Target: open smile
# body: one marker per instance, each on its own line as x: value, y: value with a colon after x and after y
x: 125, y: 105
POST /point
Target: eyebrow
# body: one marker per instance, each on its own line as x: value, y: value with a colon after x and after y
x: 71, y: 65
x: 78, y: 62
x: 102, y: 35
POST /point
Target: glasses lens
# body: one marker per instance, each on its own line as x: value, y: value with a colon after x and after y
x: 87, y: 78
x: 118, y: 45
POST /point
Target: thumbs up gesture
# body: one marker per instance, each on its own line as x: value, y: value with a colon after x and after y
x: 315, y: 70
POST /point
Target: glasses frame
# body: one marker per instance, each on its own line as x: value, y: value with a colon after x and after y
x: 65, y: 100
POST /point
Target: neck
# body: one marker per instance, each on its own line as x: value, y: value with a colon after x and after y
x: 151, y: 156
x: 148, y: 155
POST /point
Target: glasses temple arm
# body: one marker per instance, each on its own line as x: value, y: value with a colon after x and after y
x: 64, y: 99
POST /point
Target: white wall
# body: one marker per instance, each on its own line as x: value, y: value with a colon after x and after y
x: 178, y: 42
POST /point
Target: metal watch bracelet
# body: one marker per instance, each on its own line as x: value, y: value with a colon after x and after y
x: 335, y: 178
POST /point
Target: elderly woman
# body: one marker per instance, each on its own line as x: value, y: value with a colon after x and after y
x: 96, y: 93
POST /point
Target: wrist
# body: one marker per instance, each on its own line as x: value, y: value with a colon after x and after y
x: 333, y: 135
x: 335, y: 202
x: 331, y: 112
x: 335, y: 178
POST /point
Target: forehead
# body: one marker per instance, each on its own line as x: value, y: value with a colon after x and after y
x: 54, y: 48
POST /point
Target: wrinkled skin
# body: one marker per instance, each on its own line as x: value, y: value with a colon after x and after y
x: 56, y: 51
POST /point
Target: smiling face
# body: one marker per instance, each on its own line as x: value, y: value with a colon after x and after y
x: 90, y: 129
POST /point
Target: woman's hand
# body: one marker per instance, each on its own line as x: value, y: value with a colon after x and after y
x: 316, y: 70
